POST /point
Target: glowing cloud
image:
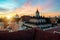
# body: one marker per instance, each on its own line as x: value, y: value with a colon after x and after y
x: 29, y: 7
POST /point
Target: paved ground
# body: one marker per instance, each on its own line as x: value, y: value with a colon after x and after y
x: 53, y: 29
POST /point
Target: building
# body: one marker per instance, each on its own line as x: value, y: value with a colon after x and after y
x: 36, y: 21
x: 1, y: 24
x: 16, y: 18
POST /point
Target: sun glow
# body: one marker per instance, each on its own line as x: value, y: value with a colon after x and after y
x: 8, y: 17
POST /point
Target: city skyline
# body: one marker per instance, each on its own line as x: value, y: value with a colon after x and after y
x: 29, y: 7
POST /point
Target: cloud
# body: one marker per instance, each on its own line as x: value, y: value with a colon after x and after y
x: 30, y: 6
x: 3, y: 10
x: 7, y: 6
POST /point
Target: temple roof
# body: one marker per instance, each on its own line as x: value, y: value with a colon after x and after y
x: 37, y: 11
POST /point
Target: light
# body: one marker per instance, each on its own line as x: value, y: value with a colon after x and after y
x: 8, y: 17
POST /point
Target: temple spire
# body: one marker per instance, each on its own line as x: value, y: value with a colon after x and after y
x: 37, y: 14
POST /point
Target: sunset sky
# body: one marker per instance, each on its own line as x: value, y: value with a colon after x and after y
x: 29, y: 7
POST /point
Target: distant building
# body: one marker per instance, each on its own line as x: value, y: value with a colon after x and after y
x: 1, y: 24
x: 16, y: 18
x: 36, y: 21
